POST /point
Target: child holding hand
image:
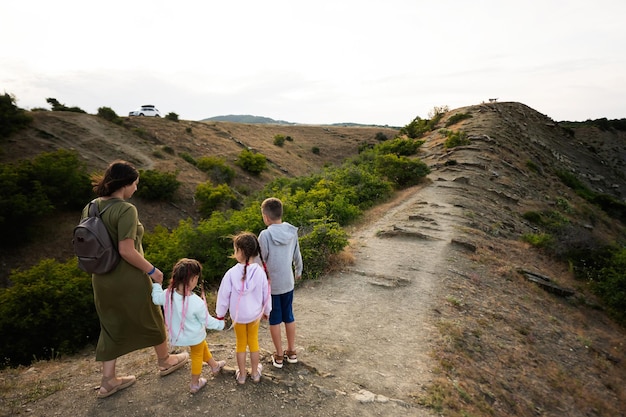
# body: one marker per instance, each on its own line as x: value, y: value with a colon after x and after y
x: 244, y: 291
x: 187, y: 318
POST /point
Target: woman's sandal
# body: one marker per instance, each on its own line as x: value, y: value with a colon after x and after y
x: 166, y: 369
x: 195, y: 388
x: 109, y: 389
x: 275, y: 361
x: 241, y: 379
x: 291, y: 356
x: 215, y: 371
x: 256, y: 378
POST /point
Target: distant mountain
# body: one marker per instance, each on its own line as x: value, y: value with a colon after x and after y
x: 246, y: 118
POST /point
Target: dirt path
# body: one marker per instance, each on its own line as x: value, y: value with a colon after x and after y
x: 364, y: 336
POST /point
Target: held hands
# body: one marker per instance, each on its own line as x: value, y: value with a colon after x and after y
x: 265, y: 317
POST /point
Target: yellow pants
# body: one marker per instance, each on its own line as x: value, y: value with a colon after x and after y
x: 199, y: 353
x: 247, y: 336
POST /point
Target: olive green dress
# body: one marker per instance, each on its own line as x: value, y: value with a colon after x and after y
x: 129, y: 320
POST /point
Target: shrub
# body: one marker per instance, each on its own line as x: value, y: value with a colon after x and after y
x: 56, y: 106
x: 12, y: 118
x: 31, y: 189
x: 418, y: 126
x: 49, y: 310
x: 454, y: 119
x: 252, y: 162
x: 109, y: 114
x: 172, y: 116
x: 213, y: 197
x: 216, y: 169
x: 380, y: 136
x: 325, y: 238
x: 400, y: 170
x: 454, y: 139
x: 540, y: 240
x: 279, y: 140
x: 157, y: 185
x: 188, y: 158
x: 315, y: 150
x: 399, y: 146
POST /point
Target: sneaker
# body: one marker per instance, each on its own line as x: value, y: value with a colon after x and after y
x: 275, y: 361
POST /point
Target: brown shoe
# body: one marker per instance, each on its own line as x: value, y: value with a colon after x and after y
x: 166, y: 369
x: 110, y: 389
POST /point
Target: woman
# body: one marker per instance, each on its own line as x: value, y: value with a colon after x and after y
x: 128, y: 319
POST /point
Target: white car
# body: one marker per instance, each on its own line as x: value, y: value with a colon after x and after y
x: 146, y: 110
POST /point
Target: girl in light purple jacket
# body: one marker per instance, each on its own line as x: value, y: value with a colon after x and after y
x: 245, y: 292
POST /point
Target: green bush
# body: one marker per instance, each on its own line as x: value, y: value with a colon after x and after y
x: 454, y: 119
x: 455, y: 139
x: 214, y: 197
x: 539, y: 240
x: 418, y: 126
x: 399, y: 146
x: 188, y: 158
x: 402, y: 171
x: 315, y: 150
x: 48, y: 311
x: 32, y: 189
x: 12, y: 118
x: 252, y: 162
x: 279, y: 140
x: 109, y: 114
x: 325, y: 238
x: 157, y: 185
x: 172, y: 116
x: 381, y: 137
x: 56, y: 106
x: 216, y: 169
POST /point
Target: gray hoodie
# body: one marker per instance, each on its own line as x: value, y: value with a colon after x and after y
x: 281, y: 253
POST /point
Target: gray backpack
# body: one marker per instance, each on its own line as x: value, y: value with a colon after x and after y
x: 96, y: 252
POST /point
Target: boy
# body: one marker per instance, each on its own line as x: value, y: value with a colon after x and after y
x: 281, y: 252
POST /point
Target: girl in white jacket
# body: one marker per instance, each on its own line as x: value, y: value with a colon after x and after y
x: 187, y: 318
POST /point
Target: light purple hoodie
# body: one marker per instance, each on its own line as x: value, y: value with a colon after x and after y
x: 246, y: 300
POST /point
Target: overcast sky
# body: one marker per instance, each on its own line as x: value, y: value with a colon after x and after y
x: 324, y: 61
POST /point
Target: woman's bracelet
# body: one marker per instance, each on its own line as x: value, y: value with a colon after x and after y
x: 152, y: 270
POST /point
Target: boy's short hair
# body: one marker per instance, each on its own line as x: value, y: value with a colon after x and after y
x: 272, y: 208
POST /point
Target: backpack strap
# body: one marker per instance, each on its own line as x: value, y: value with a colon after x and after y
x: 93, y: 208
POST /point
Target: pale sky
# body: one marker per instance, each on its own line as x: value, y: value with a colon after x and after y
x: 324, y: 61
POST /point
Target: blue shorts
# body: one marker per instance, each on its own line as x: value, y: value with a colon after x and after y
x: 282, y: 309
